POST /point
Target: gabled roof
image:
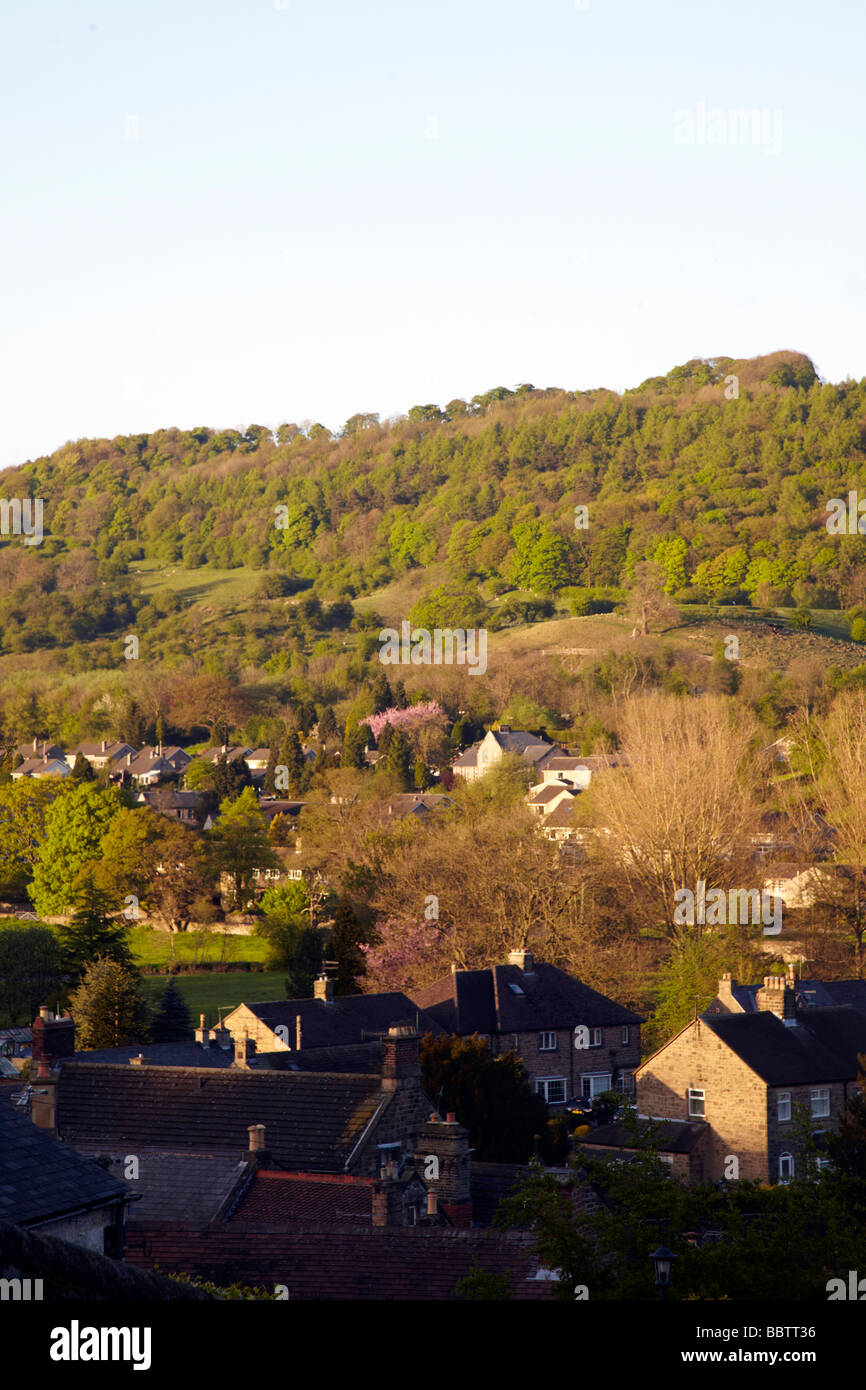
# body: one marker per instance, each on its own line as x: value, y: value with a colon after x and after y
x: 41, y: 1179
x: 26, y: 750
x: 117, y: 749
x: 549, y: 792
x: 363, y: 1057
x: 43, y: 767
x: 313, y: 1120
x: 355, y: 1018
x: 173, y: 1054
x: 317, y: 1261
x: 822, y: 1045
x: 509, y: 999
x: 809, y: 994
x: 175, y: 1186
x: 231, y: 754
x: 518, y: 740
x: 671, y: 1136
x: 279, y: 1198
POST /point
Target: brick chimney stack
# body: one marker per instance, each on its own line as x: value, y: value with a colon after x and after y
x: 245, y: 1048
x: 523, y: 960
x: 777, y: 997
x: 401, y: 1065
x: 53, y: 1038
x: 442, y: 1161
x: 257, y: 1154
x: 727, y: 985
x: 323, y: 988
x: 202, y: 1034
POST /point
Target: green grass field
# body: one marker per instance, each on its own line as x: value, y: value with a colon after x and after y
x: 208, y: 994
x: 150, y: 947
x: 215, y: 587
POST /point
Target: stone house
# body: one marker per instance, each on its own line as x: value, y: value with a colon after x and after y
x: 573, y: 1041
x: 291, y: 1025
x: 533, y: 749
x: 742, y: 1077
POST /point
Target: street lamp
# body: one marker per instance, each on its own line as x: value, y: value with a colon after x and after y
x: 662, y: 1260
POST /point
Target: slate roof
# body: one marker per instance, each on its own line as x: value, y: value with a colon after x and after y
x: 41, y: 1178
x: 354, y: 1057
x: 418, y: 803
x: 174, y: 1186
x: 70, y: 1272
x: 351, y: 1019
x: 43, y: 767
x: 549, y: 792
x: 810, y: 994
x: 822, y: 1046
x: 177, y: 1054
x: 519, y: 741
x: 270, y: 807
x: 560, y: 818
x: 483, y: 1001
x: 315, y: 1262
x: 313, y: 1120
x: 279, y: 1198
x: 671, y: 1136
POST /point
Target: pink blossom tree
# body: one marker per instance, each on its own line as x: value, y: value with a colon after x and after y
x: 407, y: 954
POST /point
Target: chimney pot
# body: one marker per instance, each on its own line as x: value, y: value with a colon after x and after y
x: 450, y: 1118
x: 257, y: 1137
x: 432, y: 1204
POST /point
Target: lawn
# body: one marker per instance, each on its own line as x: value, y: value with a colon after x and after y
x: 150, y: 947
x: 204, y: 585
x: 210, y: 994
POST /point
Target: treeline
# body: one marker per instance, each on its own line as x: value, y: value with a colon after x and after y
x: 719, y: 472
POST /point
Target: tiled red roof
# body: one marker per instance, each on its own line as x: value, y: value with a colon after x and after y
x: 282, y: 1197
x: 316, y: 1262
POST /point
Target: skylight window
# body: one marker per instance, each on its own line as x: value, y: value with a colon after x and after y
x: 515, y: 989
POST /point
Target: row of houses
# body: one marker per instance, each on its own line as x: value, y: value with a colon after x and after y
x: 145, y: 766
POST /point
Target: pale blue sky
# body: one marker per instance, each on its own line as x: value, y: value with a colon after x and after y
x: 330, y: 206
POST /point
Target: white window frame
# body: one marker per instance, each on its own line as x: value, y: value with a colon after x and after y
x: 626, y: 1083
x: 786, y: 1167
x: 543, y: 1084
x: 588, y: 1088
x: 625, y: 1035
x: 596, y: 1037
x: 821, y: 1096
x: 783, y: 1106
x: 696, y: 1095
x: 547, y: 1042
